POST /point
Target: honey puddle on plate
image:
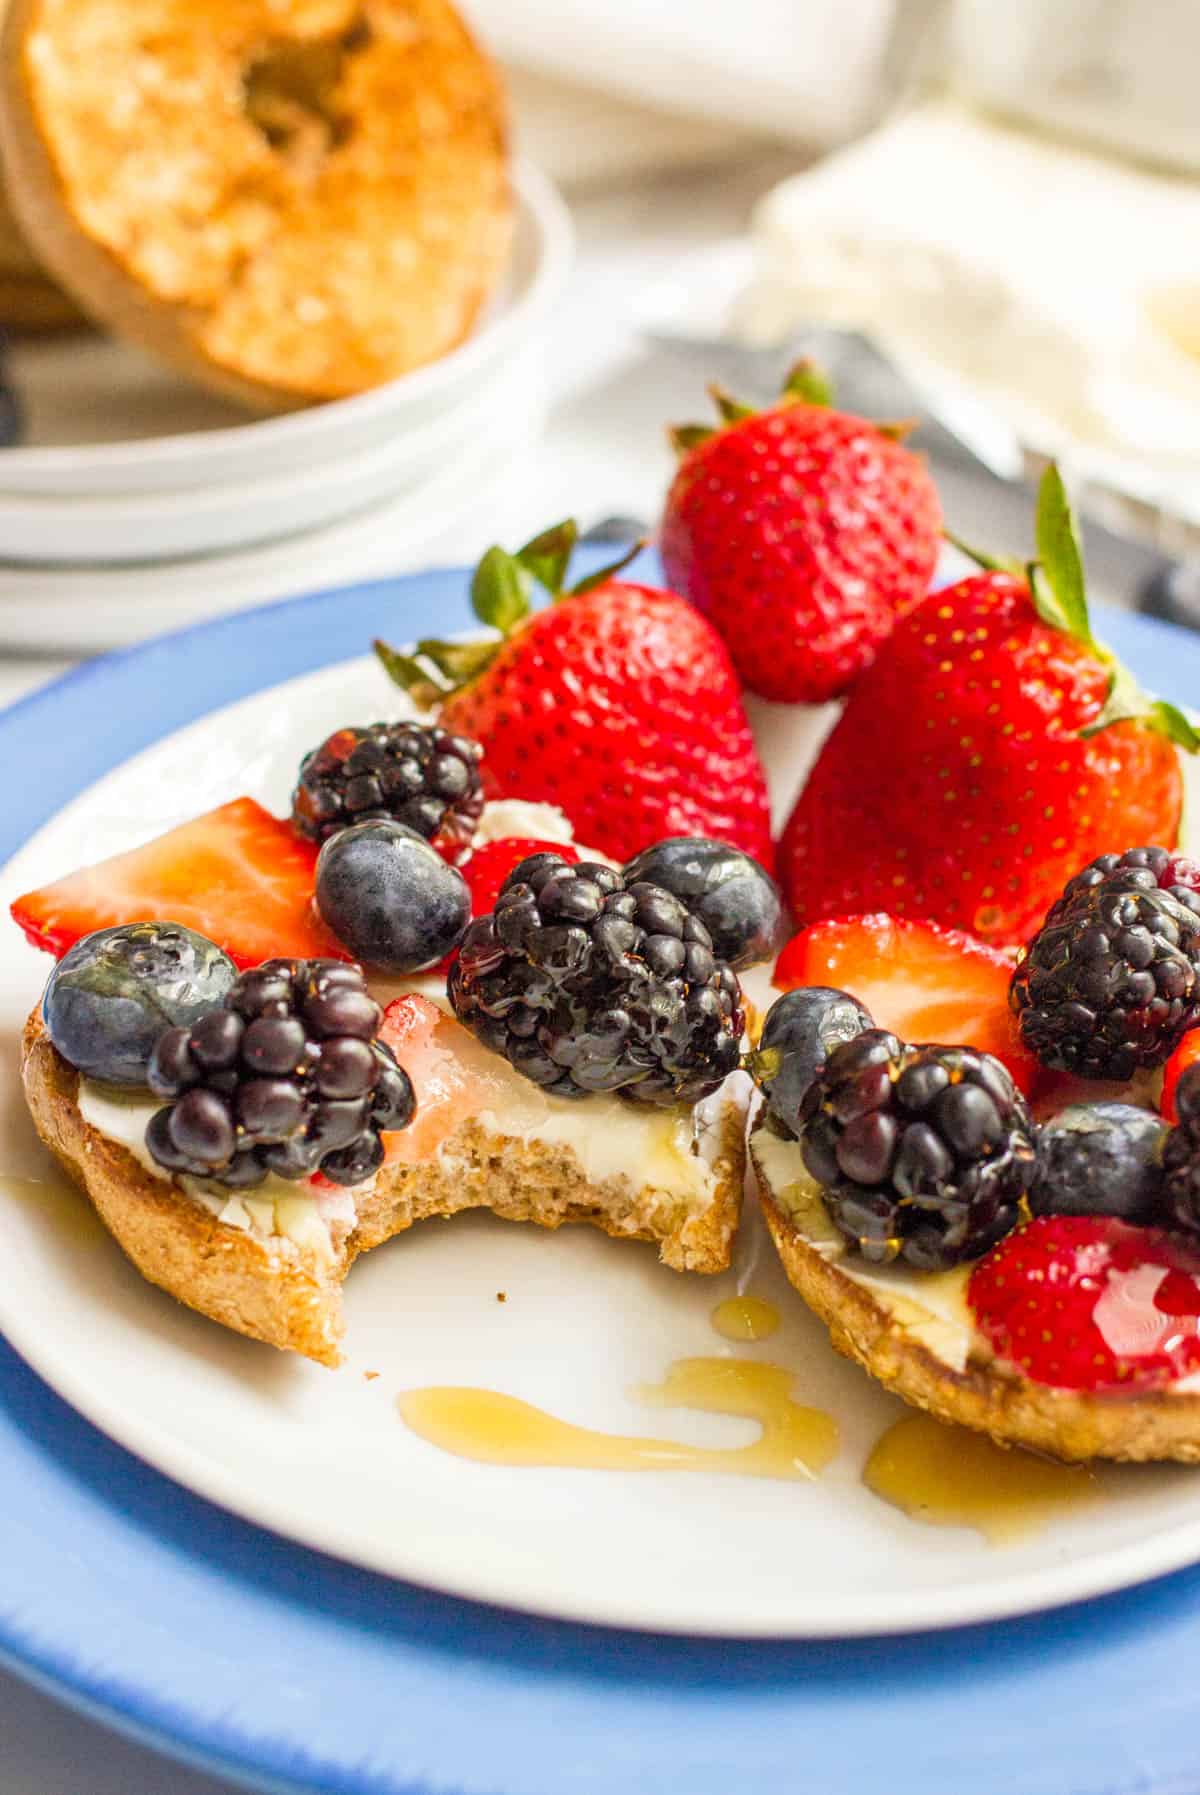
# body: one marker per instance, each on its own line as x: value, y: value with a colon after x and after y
x: 950, y: 1477
x: 795, y: 1443
x: 745, y: 1318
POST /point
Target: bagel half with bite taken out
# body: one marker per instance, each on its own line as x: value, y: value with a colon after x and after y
x: 287, y: 203
x: 281, y: 1281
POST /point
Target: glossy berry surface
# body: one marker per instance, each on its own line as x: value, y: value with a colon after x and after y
x: 735, y: 898
x: 286, y: 1077
x: 113, y: 993
x: 585, y: 984
x: 1100, y: 1159
x: 919, y: 980
x: 1111, y: 980
x: 390, y: 897
x: 1091, y: 1303
x: 486, y: 869
x: 800, y: 1031
x: 1185, y: 1055
x: 1181, y: 1155
x: 621, y: 706
x: 923, y: 1152
x: 987, y: 796
x: 418, y: 775
x: 803, y: 533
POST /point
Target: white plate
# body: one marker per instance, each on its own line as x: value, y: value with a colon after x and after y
x: 323, y: 1457
x: 106, y: 420
x: 139, y: 528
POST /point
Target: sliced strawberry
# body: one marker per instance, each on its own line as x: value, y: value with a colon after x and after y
x: 487, y: 868
x: 1185, y: 1055
x: 927, y: 983
x: 1090, y: 1303
x: 236, y: 874
x: 453, y: 1076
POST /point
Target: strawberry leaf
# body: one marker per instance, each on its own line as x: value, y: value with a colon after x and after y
x: 990, y: 563
x: 459, y: 661
x: 685, y: 437
x: 408, y: 674
x: 732, y: 410
x: 548, y: 556
x: 1061, y: 558
x: 603, y: 574
x: 500, y: 591
x: 1169, y: 720
x: 807, y: 382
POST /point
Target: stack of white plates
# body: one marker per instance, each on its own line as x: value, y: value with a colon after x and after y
x: 138, y: 502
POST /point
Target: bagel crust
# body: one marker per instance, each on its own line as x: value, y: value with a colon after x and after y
x: 986, y: 1396
x: 289, y: 203
x: 290, y: 1297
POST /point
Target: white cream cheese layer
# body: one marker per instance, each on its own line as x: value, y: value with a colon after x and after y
x: 930, y: 1306
x: 312, y: 1220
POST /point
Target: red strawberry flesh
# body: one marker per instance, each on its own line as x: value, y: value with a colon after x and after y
x: 1087, y: 1303
x: 926, y: 983
x: 237, y: 874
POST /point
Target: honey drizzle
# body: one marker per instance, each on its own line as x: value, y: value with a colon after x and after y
x: 745, y: 1318
x: 950, y: 1477
x: 796, y: 1443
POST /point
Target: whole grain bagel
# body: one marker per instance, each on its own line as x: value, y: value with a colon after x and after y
x: 289, y: 200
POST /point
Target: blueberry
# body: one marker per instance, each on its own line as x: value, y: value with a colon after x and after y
x: 390, y: 897
x: 802, y: 1028
x: 733, y: 897
x: 116, y: 991
x: 1100, y: 1159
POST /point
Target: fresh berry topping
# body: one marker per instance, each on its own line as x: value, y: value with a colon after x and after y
x: 389, y: 897
x: 921, y: 981
x: 237, y: 876
x: 112, y: 995
x: 585, y: 984
x: 991, y: 750
x: 1112, y: 978
x: 1185, y: 1055
x: 285, y: 1077
x: 1100, y: 1159
x: 1091, y: 1303
x: 803, y: 533
x: 923, y: 1152
x: 488, y: 867
x: 619, y: 704
x: 801, y: 1030
x: 736, y: 900
x: 420, y: 776
x: 1181, y: 1155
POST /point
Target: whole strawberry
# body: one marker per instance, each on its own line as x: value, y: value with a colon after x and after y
x: 803, y: 533
x: 992, y: 750
x: 617, y: 702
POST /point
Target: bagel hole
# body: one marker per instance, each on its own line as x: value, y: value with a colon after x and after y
x: 290, y: 93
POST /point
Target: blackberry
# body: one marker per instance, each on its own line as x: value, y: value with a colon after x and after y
x: 586, y: 984
x: 1112, y: 978
x: 414, y: 774
x: 1181, y: 1156
x: 285, y: 1076
x: 924, y: 1153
